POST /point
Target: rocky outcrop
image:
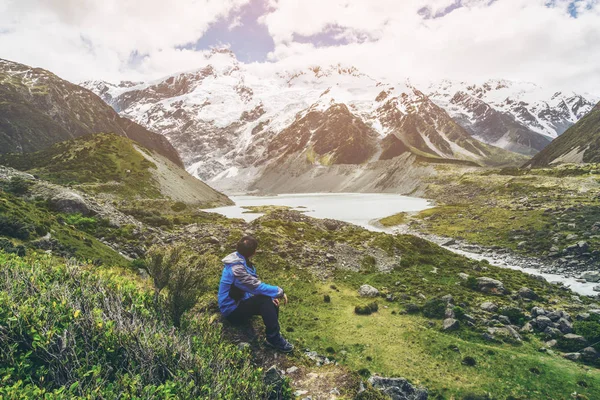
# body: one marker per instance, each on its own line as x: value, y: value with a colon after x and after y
x: 398, y: 388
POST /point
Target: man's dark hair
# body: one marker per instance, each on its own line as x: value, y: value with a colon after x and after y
x: 247, y: 246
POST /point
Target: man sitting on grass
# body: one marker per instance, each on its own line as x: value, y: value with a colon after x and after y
x: 242, y: 295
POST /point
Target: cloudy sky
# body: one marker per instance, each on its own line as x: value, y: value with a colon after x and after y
x: 555, y: 43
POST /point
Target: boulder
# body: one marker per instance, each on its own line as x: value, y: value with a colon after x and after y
x: 527, y: 293
x: 576, y: 340
x: 489, y: 306
x: 591, y: 276
x: 572, y: 356
x: 564, y: 325
x: 552, y: 332
x: 398, y: 388
x: 489, y: 285
x: 463, y: 276
x: 70, y: 203
x: 448, y: 299
x: 450, y: 324
x: 589, y: 353
x: 541, y: 322
x: 537, y: 311
x: 368, y: 291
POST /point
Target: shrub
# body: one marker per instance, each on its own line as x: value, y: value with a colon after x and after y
x: 67, y: 333
x: 514, y: 314
x: 13, y: 227
x: 459, y: 312
x: 588, y: 329
x: 160, y: 264
x: 186, y: 284
x: 18, y: 185
x: 367, y: 310
x: 87, y: 224
x: 178, y: 206
x: 327, y: 298
x: 471, y: 283
x: 412, y: 308
x: 8, y: 247
x: 434, y: 308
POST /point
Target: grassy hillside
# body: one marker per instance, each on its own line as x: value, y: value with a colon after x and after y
x: 112, y: 164
x: 580, y: 143
x: 321, y: 264
x: 538, y: 213
x: 405, y: 336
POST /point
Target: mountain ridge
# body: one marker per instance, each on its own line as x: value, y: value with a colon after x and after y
x: 39, y: 109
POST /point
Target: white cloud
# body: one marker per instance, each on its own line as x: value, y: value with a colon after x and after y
x: 513, y: 39
x: 90, y: 38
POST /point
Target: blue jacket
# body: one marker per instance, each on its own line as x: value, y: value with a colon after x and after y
x: 237, y: 272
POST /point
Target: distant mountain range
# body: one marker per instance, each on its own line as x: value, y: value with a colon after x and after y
x: 242, y: 128
x: 227, y: 118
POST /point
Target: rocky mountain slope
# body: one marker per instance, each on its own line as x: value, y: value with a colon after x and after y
x: 579, y: 144
x: 231, y: 120
x: 38, y: 109
x: 114, y: 167
x: 517, y: 116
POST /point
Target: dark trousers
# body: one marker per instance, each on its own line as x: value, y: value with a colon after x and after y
x: 258, y: 305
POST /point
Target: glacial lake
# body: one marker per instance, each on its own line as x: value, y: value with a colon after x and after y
x: 356, y: 208
x: 363, y: 209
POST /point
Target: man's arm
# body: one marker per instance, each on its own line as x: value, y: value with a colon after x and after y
x: 254, y: 285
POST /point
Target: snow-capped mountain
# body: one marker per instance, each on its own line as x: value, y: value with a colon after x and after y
x: 516, y: 116
x: 234, y: 123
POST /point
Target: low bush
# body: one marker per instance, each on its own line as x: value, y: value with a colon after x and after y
x: 178, y: 206
x: 514, y: 314
x: 434, y: 308
x: 13, y: 227
x: 69, y: 332
x: 366, y: 309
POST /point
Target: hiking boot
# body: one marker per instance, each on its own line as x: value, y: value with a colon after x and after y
x: 279, y: 343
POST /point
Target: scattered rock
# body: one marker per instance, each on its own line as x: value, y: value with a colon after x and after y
x: 541, y: 322
x: 572, y: 356
x: 489, y: 306
x: 575, y: 340
x: 398, y: 388
x: 368, y: 291
x: 450, y: 324
x: 463, y: 276
x: 291, y: 370
x: 527, y: 293
x: 591, y: 276
x: 565, y: 326
x: 489, y: 285
x: 448, y: 299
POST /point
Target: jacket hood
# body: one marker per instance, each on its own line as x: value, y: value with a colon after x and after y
x: 233, y: 258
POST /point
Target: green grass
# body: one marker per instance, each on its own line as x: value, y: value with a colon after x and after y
x: 526, y: 211
x: 397, y: 344
x: 100, y: 163
x: 394, y: 220
x: 74, y: 234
